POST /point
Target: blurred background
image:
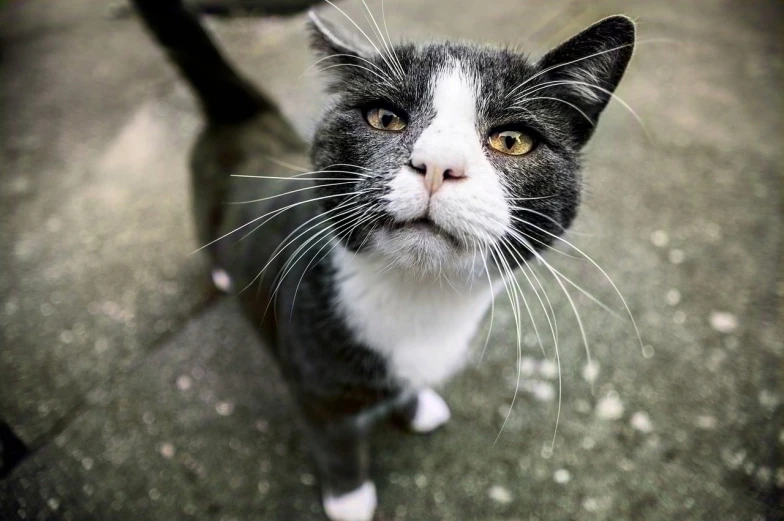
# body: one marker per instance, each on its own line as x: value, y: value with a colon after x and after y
x: 129, y: 390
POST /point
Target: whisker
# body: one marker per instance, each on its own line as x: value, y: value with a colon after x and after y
x: 525, y: 301
x: 292, y: 178
x: 265, y: 222
x: 374, y: 73
x: 516, y: 313
x: 492, y: 304
x: 558, y: 66
x: 595, y: 300
x: 575, y: 107
x: 380, y: 36
x: 386, y: 29
x: 544, y: 244
x: 313, y: 241
x: 540, y: 214
x: 606, y: 276
x: 569, y: 231
x: 352, y: 56
x: 276, y: 213
x: 304, y: 170
x: 284, y: 164
x: 557, y: 351
x: 324, y: 216
x: 363, y: 33
x: 529, y: 198
x: 352, y: 226
x: 512, y: 250
x: 289, y: 193
x: 597, y: 87
x: 269, y: 262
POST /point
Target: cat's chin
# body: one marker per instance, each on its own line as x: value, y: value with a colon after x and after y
x: 419, y: 246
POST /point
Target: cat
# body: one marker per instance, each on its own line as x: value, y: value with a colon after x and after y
x: 436, y: 169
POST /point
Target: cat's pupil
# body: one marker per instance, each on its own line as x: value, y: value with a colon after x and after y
x: 386, y: 119
x: 510, y: 141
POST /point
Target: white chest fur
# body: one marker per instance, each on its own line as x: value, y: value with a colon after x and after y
x: 422, y: 327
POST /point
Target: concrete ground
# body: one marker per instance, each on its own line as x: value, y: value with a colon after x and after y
x: 130, y: 391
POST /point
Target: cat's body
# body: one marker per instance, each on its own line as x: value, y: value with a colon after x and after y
x: 369, y: 277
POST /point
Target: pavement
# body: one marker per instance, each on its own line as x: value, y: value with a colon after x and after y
x: 129, y: 390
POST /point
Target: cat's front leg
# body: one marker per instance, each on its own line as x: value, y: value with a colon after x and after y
x: 340, y: 449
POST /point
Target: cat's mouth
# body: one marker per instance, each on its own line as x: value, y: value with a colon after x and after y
x: 424, y: 225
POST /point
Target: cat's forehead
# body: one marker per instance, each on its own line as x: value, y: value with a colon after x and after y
x: 489, y: 63
x: 491, y: 72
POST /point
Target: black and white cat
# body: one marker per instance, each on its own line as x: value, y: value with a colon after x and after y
x: 435, y: 169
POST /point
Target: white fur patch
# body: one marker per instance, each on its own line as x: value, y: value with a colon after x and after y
x: 422, y: 325
x: 357, y: 505
x: 431, y: 413
x: 472, y: 207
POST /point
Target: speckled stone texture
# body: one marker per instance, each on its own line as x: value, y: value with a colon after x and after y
x: 135, y: 392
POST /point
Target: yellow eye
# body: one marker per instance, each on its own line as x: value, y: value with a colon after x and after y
x: 511, y: 142
x: 384, y: 119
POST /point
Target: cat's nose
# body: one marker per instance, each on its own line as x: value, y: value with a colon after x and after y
x: 436, y: 173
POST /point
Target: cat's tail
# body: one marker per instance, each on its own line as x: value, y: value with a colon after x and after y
x: 225, y: 96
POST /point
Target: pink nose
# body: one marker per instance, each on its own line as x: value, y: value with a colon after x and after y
x: 436, y: 174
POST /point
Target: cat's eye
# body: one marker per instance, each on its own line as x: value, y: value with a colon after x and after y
x: 511, y: 142
x: 383, y: 119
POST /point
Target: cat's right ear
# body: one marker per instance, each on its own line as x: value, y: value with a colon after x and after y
x: 334, y: 48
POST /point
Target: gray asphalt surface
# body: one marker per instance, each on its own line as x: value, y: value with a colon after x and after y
x: 138, y: 393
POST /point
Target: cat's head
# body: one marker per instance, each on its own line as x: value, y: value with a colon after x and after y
x: 452, y: 152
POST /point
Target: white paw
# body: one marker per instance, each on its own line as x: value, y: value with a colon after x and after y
x: 431, y: 412
x: 221, y: 280
x: 357, y: 505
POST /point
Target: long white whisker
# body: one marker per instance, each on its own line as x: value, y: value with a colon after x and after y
x: 304, y: 170
x: 517, y: 256
x: 575, y: 107
x: 492, y: 304
x: 340, y: 55
x: 529, y: 198
x: 293, y: 178
x: 352, y: 217
x: 602, y: 89
x: 348, y: 210
x: 540, y: 214
x: 383, y: 57
x: 525, y: 301
x: 269, y: 219
x: 606, y: 276
x: 352, y: 225
x: 290, y: 192
x: 324, y: 216
x: 276, y: 213
x: 595, y: 300
x: 557, y: 351
x: 374, y: 73
x: 392, y: 47
x: 558, y: 66
x: 515, y: 305
x: 386, y: 45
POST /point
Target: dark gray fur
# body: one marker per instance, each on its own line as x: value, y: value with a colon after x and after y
x: 343, y: 387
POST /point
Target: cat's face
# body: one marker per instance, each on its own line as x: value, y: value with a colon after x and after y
x: 453, y: 153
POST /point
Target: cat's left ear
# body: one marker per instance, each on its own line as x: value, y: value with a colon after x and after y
x: 587, y: 68
x: 335, y: 48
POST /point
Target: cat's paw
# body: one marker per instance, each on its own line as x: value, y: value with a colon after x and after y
x: 431, y: 412
x: 357, y: 505
x: 221, y: 280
